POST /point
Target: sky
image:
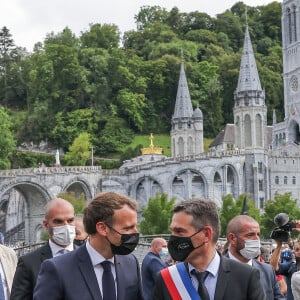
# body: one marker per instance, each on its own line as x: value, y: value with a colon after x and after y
x: 30, y: 20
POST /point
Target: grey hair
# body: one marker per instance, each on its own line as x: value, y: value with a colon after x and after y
x: 203, y: 212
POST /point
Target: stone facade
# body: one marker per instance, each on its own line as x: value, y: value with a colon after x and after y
x: 247, y: 157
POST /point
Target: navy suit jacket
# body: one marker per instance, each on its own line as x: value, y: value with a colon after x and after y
x: 152, y: 264
x: 27, y: 272
x: 268, y: 281
x: 236, y: 281
x: 72, y: 277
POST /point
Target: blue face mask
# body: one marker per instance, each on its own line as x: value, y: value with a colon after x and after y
x: 163, y: 252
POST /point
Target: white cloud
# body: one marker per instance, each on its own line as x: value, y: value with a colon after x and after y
x: 30, y: 20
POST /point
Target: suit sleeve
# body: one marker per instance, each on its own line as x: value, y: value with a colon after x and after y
x: 255, y: 290
x: 140, y: 295
x: 156, y: 265
x: 48, y: 283
x: 160, y: 290
x: 22, y: 286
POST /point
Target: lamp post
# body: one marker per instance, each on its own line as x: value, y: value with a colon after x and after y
x: 92, y: 148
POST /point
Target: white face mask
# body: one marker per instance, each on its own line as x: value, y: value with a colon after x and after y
x: 63, y: 235
x: 251, y: 249
x: 163, y: 252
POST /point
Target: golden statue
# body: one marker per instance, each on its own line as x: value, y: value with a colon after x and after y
x: 151, y: 149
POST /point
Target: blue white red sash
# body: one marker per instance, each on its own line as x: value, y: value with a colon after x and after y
x: 178, y: 283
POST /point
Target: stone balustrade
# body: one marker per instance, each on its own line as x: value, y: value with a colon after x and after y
x: 50, y: 170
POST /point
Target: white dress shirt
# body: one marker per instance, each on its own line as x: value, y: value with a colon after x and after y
x: 4, y: 283
x: 211, y: 280
x: 55, y: 249
x: 97, y: 259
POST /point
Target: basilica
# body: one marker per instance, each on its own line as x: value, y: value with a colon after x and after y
x: 247, y: 157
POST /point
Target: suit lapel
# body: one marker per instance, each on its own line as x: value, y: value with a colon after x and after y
x: 45, y: 252
x: 223, y: 278
x: 120, y: 274
x: 88, y: 273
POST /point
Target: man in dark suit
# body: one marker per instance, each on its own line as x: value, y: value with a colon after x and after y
x: 103, y: 267
x: 243, y: 235
x: 59, y: 222
x: 152, y: 264
x: 195, y: 229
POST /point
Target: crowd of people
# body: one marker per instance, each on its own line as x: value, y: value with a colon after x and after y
x: 91, y: 257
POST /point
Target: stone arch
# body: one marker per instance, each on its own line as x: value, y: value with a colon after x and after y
x: 79, y: 186
x: 248, y: 131
x: 238, y: 131
x: 25, y: 203
x: 188, y: 184
x: 115, y: 184
x: 190, y: 146
x: 258, y: 130
x: 180, y: 146
x: 225, y: 181
x: 144, y: 188
x: 294, y: 132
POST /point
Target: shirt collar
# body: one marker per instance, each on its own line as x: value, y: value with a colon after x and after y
x: 95, y: 256
x: 56, y: 248
x: 213, y: 266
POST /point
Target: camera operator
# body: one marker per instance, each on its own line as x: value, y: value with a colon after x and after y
x: 287, y: 268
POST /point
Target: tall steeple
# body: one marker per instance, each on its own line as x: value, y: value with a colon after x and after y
x: 187, y: 125
x: 250, y: 112
x: 248, y: 77
x: 183, y: 105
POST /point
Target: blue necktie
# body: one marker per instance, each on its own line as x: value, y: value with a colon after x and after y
x: 63, y: 251
x: 1, y: 289
x: 108, y: 282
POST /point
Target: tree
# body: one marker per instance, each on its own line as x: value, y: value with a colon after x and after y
x: 7, y: 142
x: 101, y: 36
x: 79, y: 151
x: 280, y: 204
x: 157, y: 215
x: 232, y: 208
x: 7, y: 55
x: 115, y: 134
x: 78, y: 201
x: 68, y: 126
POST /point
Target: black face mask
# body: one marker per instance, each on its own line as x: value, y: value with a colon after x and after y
x: 78, y: 242
x: 180, y: 247
x: 128, y: 243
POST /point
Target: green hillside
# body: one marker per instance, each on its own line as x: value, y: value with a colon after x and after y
x: 160, y: 140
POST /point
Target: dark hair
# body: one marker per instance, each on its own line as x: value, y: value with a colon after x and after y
x: 203, y: 212
x: 102, y: 208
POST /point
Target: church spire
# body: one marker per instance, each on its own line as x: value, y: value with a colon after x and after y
x: 183, y: 105
x: 248, y: 77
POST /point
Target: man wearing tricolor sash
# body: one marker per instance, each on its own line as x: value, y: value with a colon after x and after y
x: 201, y: 272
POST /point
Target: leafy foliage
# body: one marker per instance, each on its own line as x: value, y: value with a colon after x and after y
x: 281, y: 204
x: 79, y: 151
x: 78, y: 202
x: 27, y: 159
x: 94, y: 83
x: 157, y: 215
x: 7, y: 142
x: 232, y: 208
